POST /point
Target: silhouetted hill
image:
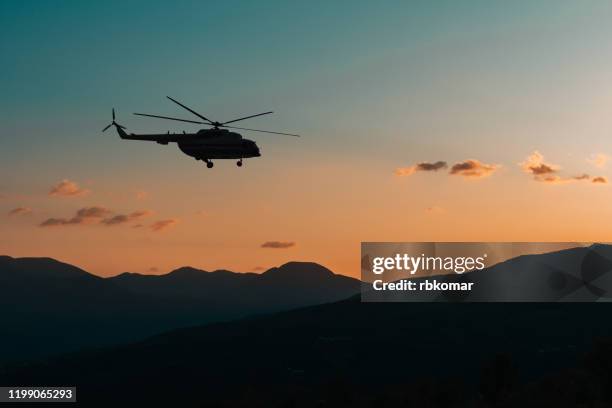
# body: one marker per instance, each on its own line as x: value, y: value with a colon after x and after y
x: 49, y: 306
x: 322, y: 352
x: 350, y: 354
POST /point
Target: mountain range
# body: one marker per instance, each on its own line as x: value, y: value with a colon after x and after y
x: 47, y: 306
x: 350, y: 353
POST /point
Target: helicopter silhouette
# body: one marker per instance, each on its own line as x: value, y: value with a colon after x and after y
x: 206, y: 144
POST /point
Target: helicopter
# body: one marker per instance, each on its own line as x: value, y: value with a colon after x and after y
x: 206, y: 144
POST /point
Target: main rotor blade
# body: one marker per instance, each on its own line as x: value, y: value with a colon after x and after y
x: 190, y: 110
x: 247, y: 117
x: 104, y: 130
x: 169, y: 118
x: 263, y: 131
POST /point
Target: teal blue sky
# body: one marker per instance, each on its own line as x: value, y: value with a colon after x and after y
x: 371, y: 86
x: 379, y: 73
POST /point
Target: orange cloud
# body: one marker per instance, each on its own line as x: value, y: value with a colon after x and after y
x: 20, y: 211
x: 600, y: 179
x: 435, y: 210
x: 125, y: 218
x: 423, y: 166
x: 473, y: 169
x: 598, y: 160
x: 67, y: 188
x: 142, y: 195
x: 163, y: 224
x: 556, y: 179
x: 83, y: 216
x: 277, y: 244
x: 548, y: 173
x: 541, y: 171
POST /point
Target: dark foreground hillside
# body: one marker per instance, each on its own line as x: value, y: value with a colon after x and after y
x: 351, y: 354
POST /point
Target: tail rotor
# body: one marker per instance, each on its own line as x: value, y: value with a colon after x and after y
x: 113, y: 123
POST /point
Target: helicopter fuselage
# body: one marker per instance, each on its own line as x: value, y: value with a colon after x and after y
x: 204, y: 145
x: 218, y: 144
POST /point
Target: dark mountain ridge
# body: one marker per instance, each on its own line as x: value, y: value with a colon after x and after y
x: 345, y: 354
x: 48, y: 306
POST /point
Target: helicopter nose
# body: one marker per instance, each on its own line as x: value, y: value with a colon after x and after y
x: 251, y: 147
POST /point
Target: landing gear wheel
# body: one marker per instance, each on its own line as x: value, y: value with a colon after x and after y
x: 239, y: 163
x: 209, y: 164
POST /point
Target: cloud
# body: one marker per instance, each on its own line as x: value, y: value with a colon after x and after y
x: 67, y: 188
x: 556, y: 179
x: 598, y: 160
x: 53, y: 222
x: 83, y: 216
x: 125, y: 218
x: 153, y: 269
x: 548, y: 173
x: 142, y: 195
x: 277, y: 244
x: 93, y: 212
x: 163, y: 224
x: 20, y: 211
x: 435, y: 210
x: 102, y: 215
x: 600, y: 179
x: 540, y: 170
x: 423, y: 166
x: 473, y: 169
x: 259, y: 269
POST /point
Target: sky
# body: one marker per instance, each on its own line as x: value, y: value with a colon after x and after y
x: 420, y: 121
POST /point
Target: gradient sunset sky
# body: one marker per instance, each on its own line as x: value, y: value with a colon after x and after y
x: 421, y: 121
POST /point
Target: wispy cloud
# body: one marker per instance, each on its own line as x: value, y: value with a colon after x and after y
x: 435, y: 210
x: 598, y: 160
x: 162, y: 225
x: 423, y: 166
x: 549, y: 173
x: 83, y: 216
x: 473, y: 169
x: 125, y: 218
x: 67, y: 188
x: 20, y: 211
x: 277, y: 244
x: 99, y: 215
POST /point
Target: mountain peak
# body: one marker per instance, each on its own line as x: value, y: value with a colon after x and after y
x: 186, y: 271
x: 299, y: 269
x: 42, y: 267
